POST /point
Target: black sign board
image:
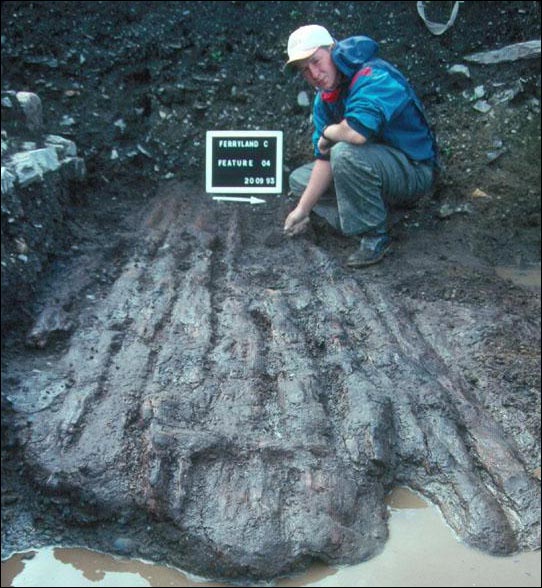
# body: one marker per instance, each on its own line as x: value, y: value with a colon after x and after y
x: 241, y: 162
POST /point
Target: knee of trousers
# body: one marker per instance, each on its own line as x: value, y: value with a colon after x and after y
x: 298, y: 180
x: 346, y: 158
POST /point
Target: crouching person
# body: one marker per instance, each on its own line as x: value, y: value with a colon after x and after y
x: 372, y: 143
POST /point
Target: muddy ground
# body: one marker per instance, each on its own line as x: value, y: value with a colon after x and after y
x: 184, y: 384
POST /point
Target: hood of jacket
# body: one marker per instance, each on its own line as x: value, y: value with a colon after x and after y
x: 350, y: 54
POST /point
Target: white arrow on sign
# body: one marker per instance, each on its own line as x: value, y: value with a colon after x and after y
x: 252, y: 199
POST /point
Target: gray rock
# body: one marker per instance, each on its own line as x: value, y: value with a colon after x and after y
x: 64, y: 147
x: 482, y: 106
x: 124, y: 545
x: 525, y: 50
x: 73, y: 169
x: 30, y: 166
x: 447, y: 210
x: 460, y: 69
x: 8, y: 180
x: 303, y: 99
x: 31, y: 105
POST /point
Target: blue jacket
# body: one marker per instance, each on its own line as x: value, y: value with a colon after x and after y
x: 376, y: 100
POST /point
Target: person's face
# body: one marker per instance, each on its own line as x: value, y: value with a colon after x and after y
x: 320, y: 71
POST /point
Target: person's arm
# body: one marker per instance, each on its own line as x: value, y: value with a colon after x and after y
x: 343, y: 132
x: 319, y: 182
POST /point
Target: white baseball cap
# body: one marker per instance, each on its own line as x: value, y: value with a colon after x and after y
x: 304, y: 41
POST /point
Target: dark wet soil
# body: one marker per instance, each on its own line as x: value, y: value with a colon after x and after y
x: 174, y: 345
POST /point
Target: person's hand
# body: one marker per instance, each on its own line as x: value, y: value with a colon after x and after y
x: 296, y: 222
x: 324, y: 145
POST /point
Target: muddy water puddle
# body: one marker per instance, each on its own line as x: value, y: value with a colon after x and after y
x: 421, y: 551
